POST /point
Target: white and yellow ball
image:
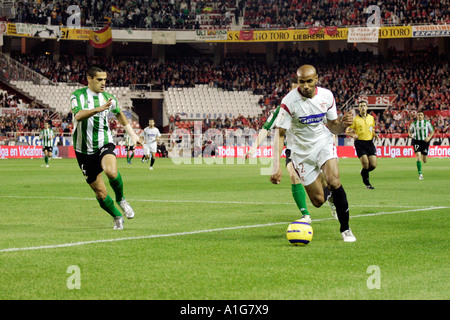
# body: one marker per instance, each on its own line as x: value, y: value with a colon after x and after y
x: 299, y: 233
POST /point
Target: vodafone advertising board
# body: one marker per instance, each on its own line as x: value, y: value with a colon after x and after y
x: 27, y: 152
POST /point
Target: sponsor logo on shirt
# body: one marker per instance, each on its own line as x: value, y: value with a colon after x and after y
x: 314, y: 118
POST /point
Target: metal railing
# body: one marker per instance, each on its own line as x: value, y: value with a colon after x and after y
x: 12, y: 70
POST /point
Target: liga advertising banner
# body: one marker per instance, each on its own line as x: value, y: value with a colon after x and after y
x: 342, y: 151
x: 23, y: 152
x: 396, y: 152
x: 31, y: 152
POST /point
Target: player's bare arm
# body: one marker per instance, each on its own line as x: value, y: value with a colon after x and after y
x: 351, y: 133
x: 427, y: 139
x: 124, y: 122
x: 261, y: 136
x: 339, y: 125
x: 85, y: 114
x: 275, y: 178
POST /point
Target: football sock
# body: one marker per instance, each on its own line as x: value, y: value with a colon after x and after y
x: 152, y: 161
x: 46, y: 159
x: 419, y: 167
x: 340, y: 201
x: 108, y: 206
x: 299, y: 194
x: 365, y: 176
x: 132, y: 155
x: 117, y: 185
x: 326, y: 193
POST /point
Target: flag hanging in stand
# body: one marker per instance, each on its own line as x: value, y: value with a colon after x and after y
x: 101, y: 38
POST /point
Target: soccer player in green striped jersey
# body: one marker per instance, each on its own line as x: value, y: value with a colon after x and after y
x: 93, y: 141
x: 421, y: 131
x: 129, y: 147
x: 46, y: 135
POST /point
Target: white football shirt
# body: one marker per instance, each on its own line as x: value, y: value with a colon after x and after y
x: 304, y: 120
x: 150, y: 135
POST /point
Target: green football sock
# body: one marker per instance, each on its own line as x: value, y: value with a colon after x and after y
x: 108, y: 206
x: 419, y: 167
x: 117, y: 185
x: 132, y: 155
x: 46, y: 159
x: 299, y: 194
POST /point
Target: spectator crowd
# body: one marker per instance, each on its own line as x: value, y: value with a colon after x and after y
x: 143, y: 14
x: 349, y: 74
x: 342, y: 13
x: 190, y: 14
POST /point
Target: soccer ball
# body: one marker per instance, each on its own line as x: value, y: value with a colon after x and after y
x: 299, y: 233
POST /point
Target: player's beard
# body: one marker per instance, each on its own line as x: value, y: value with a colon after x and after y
x: 307, y: 94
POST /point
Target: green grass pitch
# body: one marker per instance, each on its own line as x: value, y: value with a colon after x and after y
x: 217, y: 232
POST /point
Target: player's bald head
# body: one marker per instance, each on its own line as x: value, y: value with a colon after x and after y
x: 306, y: 70
x: 307, y: 79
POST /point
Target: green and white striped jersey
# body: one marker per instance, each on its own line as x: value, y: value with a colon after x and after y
x: 421, y: 129
x: 46, y: 136
x: 128, y: 141
x: 91, y: 134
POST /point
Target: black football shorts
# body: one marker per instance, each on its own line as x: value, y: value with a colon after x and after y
x: 91, y: 164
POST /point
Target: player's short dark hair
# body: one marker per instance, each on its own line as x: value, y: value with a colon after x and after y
x: 94, y: 69
x: 362, y: 101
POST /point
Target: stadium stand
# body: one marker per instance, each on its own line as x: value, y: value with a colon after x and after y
x: 308, y: 13
x: 55, y: 96
x: 190, y: 85
x: 203, y: 100
x: 161, y: 14
x: 208, y: 14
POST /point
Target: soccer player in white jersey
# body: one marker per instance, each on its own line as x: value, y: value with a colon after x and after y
x: 151, y: 136
x: 302, y: 118
x: 46, y: 135
x: 93, y: 141
x: 421, y: 131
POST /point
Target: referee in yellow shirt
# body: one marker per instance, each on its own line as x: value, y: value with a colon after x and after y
x: 363, y: 131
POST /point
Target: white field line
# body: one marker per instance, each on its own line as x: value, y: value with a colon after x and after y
x: 198, y: 201
x: 81, y: 243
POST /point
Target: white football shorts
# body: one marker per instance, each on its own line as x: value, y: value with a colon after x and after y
x: 150, y: 148
x: 308, y: 168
